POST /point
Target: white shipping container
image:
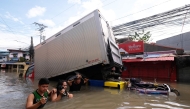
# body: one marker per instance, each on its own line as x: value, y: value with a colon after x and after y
x: 85, y: 43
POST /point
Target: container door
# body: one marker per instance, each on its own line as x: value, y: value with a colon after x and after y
x: 112, y: 47
x: 114, y: 52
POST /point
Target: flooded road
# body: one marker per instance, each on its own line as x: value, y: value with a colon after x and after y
x: 14, y: 91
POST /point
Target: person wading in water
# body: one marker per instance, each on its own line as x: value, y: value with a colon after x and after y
x: 75, y: 85
x: 39, y: 98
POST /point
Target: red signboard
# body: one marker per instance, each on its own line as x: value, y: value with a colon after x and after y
x: 132, y: 47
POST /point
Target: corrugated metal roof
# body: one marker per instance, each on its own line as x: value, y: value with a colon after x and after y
x: 150, y: 59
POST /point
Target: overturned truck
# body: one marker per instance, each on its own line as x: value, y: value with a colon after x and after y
x: 87, y: 46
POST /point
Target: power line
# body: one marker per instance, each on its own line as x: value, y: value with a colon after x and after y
x: 166, y: 24
x: 63, y: 11
x: 7, y: 25
x: 98, y: 4
x: 169, y: 30
x: 141, y: 10
x: 11, y: 30
x: 25, y: 25
x: 109, y: 3
x: 102, y: 6
x: 13, y: 48
x: 21, y: 42
x: 181, y: 36
x: 175, y: 15
x: 156, y: 30
x: 71, y: 7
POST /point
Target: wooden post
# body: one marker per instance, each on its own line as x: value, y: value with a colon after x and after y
x: 11, y: 67
x: 17, y: 68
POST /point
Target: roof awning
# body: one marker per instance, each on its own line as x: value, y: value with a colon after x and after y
x: 14, y: 53
x: 150, y: 59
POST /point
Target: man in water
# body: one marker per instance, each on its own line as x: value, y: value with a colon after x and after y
x: 39, y: 97
x: 75, y: 85
x: 61, y: 91
x: 112, y: 75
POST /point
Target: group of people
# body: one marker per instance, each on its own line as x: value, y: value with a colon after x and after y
x: 39, y: 97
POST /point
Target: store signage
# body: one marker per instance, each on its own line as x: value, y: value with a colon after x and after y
x: 132, y: 47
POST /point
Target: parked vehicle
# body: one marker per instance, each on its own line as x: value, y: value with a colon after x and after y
x: 3, y: 65
x: 152, y: 88
x: 30, y: 72
x: 152, y: 91
x: 88, y: 45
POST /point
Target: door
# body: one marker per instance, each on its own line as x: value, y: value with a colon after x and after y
x: 115, y: 56
x: 110, y: 43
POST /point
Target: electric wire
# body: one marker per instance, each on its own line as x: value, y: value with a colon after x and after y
x: 141, y: 10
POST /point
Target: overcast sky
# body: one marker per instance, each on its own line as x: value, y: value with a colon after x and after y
x: 17, y: 16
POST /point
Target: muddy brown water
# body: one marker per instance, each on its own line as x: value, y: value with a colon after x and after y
x: 14, y: 91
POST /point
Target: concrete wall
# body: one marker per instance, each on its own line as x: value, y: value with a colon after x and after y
x: 20, y: 54
x: 27, y: 57
x: 152, y: 48
x: 3, y: 58
x: 178, y: 41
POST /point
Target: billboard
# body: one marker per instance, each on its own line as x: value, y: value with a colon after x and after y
x: 132, y: 47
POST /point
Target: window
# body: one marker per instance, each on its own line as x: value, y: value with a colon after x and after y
x: 15, y: 55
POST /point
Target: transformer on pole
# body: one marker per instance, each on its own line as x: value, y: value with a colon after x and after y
x: 41, y: 30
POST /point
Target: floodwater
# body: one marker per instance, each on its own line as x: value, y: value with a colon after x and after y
x: 14, y: 91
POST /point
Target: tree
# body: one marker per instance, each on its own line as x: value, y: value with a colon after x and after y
x: 141, y: 36
x: 22, y: 59
x: 31, y: 51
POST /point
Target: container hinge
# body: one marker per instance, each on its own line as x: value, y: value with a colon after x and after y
x: 103, y: 34
x: 76, y: 24
x: 57, y: 34
x: 43, y: 43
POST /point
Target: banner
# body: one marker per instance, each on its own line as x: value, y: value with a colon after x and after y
x: 132, y: 47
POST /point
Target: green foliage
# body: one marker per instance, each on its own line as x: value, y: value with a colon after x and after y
x: 141, y: 36
x: 21, y: 59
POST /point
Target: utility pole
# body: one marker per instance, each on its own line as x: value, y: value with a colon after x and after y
x: 31, y: 50
x: 41, y: 30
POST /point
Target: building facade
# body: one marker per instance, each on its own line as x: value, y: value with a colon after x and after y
x: 14, y: 55
x: 149, y: 61
x: 179, y: 41
x: 4, y: 56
